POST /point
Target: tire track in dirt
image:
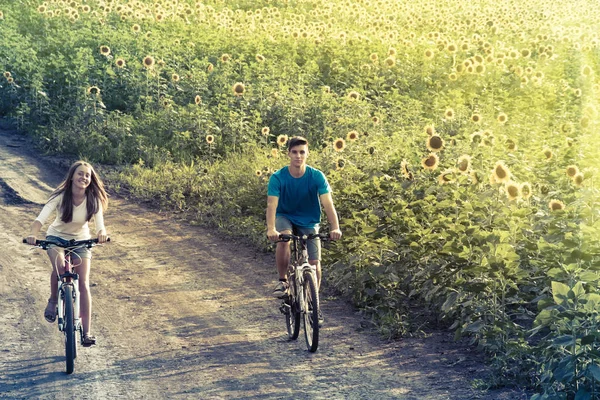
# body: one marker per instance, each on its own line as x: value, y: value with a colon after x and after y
x: 182, y: 313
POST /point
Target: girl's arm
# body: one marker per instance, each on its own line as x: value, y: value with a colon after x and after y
x: 100, y: 228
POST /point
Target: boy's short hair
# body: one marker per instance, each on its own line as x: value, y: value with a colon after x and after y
x: 296, y: 141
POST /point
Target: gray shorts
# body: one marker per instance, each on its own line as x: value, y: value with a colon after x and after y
x: 82, y: 252
x: 313, y: 246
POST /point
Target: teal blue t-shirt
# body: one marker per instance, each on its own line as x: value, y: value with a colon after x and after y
x: 299, y: 197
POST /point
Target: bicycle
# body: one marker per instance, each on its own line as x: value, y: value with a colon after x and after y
x: 68, y: 297
x: 303, y: 297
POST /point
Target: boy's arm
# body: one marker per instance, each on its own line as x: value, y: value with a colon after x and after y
x: 334, y: 224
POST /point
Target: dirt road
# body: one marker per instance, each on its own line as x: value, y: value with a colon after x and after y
x: 182, y: 313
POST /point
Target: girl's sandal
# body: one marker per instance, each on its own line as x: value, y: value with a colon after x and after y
x: 50, y: 311
x: 88, y: 340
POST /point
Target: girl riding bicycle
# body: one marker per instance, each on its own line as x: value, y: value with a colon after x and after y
x: 76, y: 200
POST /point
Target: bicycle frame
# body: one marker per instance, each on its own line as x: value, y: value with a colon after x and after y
x: 72, y: 279
x: 299, y: 266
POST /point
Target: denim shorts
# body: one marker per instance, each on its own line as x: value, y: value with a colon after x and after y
x: 82, y: 252
x: 313, y: 246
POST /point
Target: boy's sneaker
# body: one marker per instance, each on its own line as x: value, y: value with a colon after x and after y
x: 321, y: 319
x: 281, y: 290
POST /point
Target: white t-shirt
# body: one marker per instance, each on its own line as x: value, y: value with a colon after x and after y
x: 78, y: 228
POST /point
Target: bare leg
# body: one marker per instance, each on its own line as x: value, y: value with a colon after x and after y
x: 57, y: 258
x: 317, y: 264
x: 282, y: 257
x: 85, y: 296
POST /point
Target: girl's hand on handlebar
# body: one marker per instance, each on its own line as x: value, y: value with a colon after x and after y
x: 102, y: 237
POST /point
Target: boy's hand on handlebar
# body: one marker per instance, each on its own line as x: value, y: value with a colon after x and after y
x: 31, y: 240
x: 335, y: 234
x: 273, y: 235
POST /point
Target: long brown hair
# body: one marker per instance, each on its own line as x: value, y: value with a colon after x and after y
x: 95, y: 194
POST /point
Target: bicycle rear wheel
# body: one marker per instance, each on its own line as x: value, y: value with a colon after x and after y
x: 311, y: 313
x: 292, y: 315
x: 69, y: 330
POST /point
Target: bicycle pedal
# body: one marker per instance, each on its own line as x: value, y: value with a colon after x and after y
x: 285, y: 308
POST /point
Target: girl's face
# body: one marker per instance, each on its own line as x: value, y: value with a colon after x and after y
x: 82, y: 177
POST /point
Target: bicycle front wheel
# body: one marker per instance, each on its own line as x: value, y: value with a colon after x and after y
x: 311, y: 313
x: 292, y: 315
x: 69, y: 330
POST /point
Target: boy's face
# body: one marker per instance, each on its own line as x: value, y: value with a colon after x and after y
x: 298, y: 155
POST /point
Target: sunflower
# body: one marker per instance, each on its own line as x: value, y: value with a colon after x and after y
x: 405, y: 171
x: 210, y: 68
x: 476, y: 138
x: 175, y: 78
x: 353, y: 95
x: 572, y: 170
x: 475, y: 177
x: 429, y: 54
x: 502, y: 118
x: 578, y: 179
x: 326, y: 89
x: 198, y: 99
x: 452, y: 76
x: 93, y: 90
x: 586, y: 70
x: 464, y: 163
x: 430, y: 162
x: 512, y: 190
x: 447, y: 176
x: 274, y: 153
x: 429, y: 130
x: 148, y: 61
x: 340, y: 163
x: 451, y: 48
x: 120, y: 63
x: 501, y: 173
x: 479, y: 69
x: 584, y: 122
x: 556, y: 205
x: 339, y: 144
x: 390, y: 61
x: 7, y: 74
x: 548, y: 153
x: 282, y: 140
x: 10, y: 79
x: 525, y: 190
x: 210, y: 139
x: 392, y: 52
x: 435, y: 143
x: 374, y: 57
x: 225, y: 58
x: 238, y: 89
x: 449, y: 113
x: 265, y: 131
x: 260, y: 58
x: 258, y: 172
x: 104, y: 50
x: 352, y: 136
x: 375, y: 119
x: 136, y: 28
x: 511, y: 145
x: 476, y: 118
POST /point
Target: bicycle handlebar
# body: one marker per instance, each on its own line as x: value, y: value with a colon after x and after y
x: 286, y: 237
x: 89, y: 243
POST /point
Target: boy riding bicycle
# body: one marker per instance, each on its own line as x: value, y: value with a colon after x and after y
x: 295, y: 195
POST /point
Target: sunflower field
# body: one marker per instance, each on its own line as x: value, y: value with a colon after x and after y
x: 460, y: 140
